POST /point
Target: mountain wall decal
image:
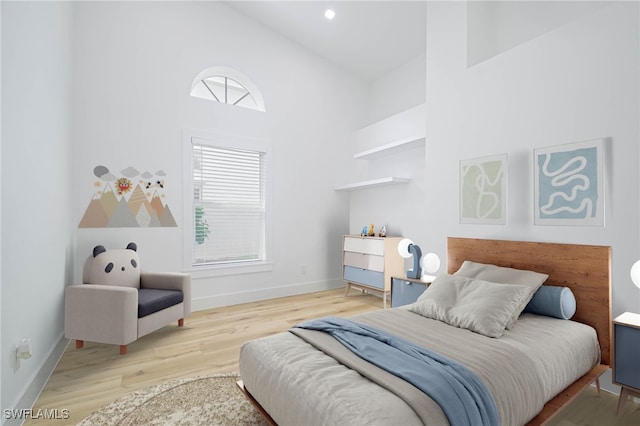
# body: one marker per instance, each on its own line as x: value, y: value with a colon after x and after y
x: 139, y: 209
x: 95, y: 216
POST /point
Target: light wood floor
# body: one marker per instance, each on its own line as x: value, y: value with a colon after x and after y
x: 88, y: 378
x: 210, y: 341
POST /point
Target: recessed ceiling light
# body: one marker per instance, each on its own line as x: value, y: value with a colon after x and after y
x: 329, y: 14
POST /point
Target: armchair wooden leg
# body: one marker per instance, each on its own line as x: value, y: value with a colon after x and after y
x: 181, y: 322
x: 123, y: 349
x: 79, y: 344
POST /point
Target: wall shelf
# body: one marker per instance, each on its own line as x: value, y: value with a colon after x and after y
x: 391, y: 180
x: 406, y: 131
x: 390, y: 148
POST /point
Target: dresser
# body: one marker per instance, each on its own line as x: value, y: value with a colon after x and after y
x: 626, y: 356
x: 368, y: 263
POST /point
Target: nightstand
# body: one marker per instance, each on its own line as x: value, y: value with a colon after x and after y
x: 406, y: 290
x: 626, y: 356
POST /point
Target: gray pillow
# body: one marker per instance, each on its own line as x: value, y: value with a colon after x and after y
x: 480, y: 306
x: 502, y: 275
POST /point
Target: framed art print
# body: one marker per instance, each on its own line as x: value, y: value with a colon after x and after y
x: 569, y: 184
x: 483, y: 194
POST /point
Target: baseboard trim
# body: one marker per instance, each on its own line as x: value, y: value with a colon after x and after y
x: 606, y: 382
x: 33, y: 390
x: 228, y: 299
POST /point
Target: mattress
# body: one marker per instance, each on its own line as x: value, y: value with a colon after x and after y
x: 296, y: 383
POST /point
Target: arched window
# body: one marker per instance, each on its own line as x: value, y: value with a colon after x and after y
x: 228, y: 86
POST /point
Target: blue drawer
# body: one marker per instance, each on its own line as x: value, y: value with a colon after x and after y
x: 404, y: 292
x: 627, y: 353
x: 364, y: 276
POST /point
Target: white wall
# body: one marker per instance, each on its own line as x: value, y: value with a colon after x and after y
x: 389, y: 205
x: 497, y: 26
x: 575, y: 83
x: 37, y: 231
x: 2, y: 355
x: 398, y: 90
x: 134, y: 64
x: 396, y: 111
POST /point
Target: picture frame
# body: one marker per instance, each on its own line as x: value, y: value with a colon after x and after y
x: 483, y: 190
x: 569, y: 184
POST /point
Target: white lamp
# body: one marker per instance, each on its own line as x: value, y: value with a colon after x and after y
x: 406, y: 248
x: 430, y: 263
x: 635, y: 273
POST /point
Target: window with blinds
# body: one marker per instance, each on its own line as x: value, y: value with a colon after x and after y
x: 228, y: 205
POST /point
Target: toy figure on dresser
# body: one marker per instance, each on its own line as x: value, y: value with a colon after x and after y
x: 383, y: 231
x: 364, y: 231
x: 371, y: 232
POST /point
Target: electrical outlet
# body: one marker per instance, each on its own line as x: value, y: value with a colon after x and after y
x: 19, y: 352
x: 24, y: 349
x: 16, y: 360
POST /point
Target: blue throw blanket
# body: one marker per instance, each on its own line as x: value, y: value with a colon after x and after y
x: 464, y: 399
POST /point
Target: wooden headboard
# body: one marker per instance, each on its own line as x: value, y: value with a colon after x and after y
x: 585, y: 269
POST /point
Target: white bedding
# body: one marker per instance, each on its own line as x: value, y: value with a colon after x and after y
x: 531, y: 363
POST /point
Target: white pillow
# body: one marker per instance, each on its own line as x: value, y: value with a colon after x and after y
x: 503, y: 275
x: 477, y: 305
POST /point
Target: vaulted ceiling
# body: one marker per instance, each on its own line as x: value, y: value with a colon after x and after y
x: 367, y: 38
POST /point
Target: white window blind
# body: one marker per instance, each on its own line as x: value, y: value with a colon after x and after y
x: 228, y: 205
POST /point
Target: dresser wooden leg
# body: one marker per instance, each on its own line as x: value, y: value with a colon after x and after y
x: 622, y: 399
x: 79, y: 344
x: 123, y: 349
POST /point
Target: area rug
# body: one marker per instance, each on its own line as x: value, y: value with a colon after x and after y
x: 216, y: 400
x: 205, y: 400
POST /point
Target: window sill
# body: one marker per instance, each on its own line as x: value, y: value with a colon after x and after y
x: 207, y: 271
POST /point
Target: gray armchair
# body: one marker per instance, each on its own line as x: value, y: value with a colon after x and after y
x: 118, y: 303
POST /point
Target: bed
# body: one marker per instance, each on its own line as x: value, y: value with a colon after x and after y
x: 531, y: 371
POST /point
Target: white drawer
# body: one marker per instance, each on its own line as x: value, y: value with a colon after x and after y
x: 364, y: 261
x: 364, y: 245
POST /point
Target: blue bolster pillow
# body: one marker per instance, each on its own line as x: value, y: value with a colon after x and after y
x: 553, y: 301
